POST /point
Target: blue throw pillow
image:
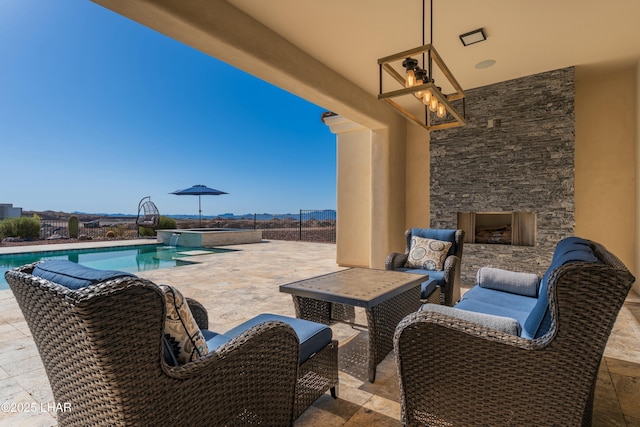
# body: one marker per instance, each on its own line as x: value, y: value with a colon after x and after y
x: 74, y: 276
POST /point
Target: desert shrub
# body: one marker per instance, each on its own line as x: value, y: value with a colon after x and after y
x: 119, y: 230
x: 23, y: 227
x: 29, y: 228
x: 164, y: 223
x: 167, y: 223
x: 146, y: 232
x: 8, y: 228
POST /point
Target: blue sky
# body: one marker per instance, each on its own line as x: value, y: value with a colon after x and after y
x: 97, y: 111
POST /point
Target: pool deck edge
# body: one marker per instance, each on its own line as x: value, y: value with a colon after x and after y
x: 89, y: 244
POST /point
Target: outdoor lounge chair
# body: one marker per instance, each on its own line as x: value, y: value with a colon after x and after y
x: 102, y: 335
x: 444, y: 284
x: 455, y: 372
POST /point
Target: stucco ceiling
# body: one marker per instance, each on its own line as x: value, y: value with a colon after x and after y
x: 523, y: 37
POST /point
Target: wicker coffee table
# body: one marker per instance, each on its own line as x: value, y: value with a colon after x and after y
x: 387, y: 297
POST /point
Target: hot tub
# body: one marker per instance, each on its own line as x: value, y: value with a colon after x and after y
x: 208, y: 237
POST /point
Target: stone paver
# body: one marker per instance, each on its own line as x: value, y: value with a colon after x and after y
x: 235, y: 286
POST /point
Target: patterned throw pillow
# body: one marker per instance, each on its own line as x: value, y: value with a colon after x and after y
x: 180, y: 328
x: 427, y: 254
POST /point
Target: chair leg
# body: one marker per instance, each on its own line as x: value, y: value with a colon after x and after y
x: 334, y: 391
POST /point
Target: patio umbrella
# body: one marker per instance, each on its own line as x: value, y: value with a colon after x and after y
x: 199, y: 190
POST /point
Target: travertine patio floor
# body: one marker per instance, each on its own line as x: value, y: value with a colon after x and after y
x: 238, y: 285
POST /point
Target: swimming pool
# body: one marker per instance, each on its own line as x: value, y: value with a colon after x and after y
x: 131, y: 259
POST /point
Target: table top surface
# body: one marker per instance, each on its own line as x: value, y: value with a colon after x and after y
x: 361, y: 287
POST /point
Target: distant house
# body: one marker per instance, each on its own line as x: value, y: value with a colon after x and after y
x: 8, y: 211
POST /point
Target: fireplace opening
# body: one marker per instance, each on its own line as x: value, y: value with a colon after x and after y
x: 499, y: 228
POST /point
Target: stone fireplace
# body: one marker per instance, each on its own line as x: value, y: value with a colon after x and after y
x: 507, y: 177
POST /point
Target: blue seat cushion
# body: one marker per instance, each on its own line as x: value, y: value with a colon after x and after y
x: 532, y: 314
x: 214, y: 339
x: 436, y: 278
x: 427, y: 288
x: 74, y: 276
x: 498, y: 303
x: 571, y: 244
x: 568, y: 250
x: 313, y: 336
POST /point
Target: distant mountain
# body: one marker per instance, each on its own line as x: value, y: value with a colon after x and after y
x: 327, y: 214
x: 103, y: 214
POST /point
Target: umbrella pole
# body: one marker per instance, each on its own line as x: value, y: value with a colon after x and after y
x: 199, y: 211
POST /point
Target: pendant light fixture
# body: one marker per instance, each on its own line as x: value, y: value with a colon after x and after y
x: 417, y: 81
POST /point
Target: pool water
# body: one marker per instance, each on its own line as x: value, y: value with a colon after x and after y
x: 131, y: 259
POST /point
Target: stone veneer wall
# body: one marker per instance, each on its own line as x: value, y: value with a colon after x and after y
x: 525, y: 164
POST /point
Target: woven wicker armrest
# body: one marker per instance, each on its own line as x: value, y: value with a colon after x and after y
x: 199, y: 313
x: 396, y: 260
x: 450, y: 264
x: 472, y: 334
x: 451, y: 288
x: 28, y: 268
x: 254, y: 375
x: 275, y: 339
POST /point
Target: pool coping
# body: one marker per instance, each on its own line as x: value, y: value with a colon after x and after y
x: 90, y: 244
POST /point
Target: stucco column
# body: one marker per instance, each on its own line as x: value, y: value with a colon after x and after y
x: 418, y: 173
x: 353, y: 181
x: 370, y: 191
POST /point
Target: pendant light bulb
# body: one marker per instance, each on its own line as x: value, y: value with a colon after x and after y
x: 420, y: 76
x: 410, y: 64
x: 410, y: 78
x: 433, y: 104
x: 426, y: 97
x: 442, y: 111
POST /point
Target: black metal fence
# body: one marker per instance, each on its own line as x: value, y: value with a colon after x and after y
x: 95, y: 229
x: 306, y: 225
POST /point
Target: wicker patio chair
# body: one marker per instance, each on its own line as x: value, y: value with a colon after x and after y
x: 102, y: 349
x: 447, y: 279
x: 455, y: 373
